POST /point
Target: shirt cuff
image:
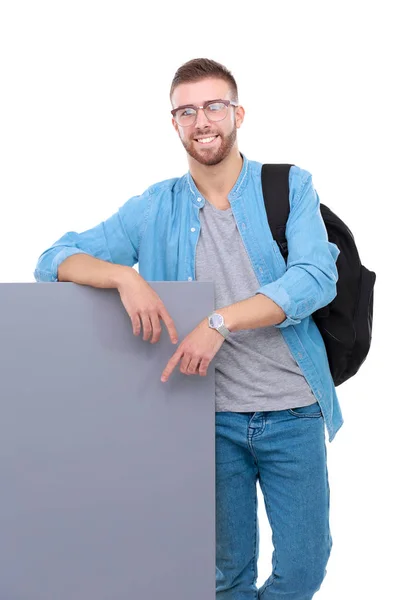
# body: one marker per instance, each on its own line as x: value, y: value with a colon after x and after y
x: 52, y: 275
x: 278, y: 294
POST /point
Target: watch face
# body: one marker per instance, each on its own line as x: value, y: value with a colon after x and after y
x: 216, y: 320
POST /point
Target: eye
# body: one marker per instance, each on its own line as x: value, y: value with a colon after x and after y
x: 216, y: 106
x: 186, y: 112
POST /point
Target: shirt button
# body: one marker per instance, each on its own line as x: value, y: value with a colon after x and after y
x: 198, y: 199
x: 189, y: 279
x: 193, y: 229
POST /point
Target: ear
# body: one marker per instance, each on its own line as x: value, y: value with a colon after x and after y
x: 239, y: 116
x: 175, y: 124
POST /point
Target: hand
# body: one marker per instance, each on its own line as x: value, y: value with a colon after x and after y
x: 145, y: 307
x: 196, y: 351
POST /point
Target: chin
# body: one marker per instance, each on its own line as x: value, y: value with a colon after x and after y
x: 207, y: 158
x: 213, y: 157
x: 211, y: 160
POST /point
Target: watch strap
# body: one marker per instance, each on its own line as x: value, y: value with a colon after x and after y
x: 222, y: 329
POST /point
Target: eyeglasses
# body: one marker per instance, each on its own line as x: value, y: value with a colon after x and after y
x: 215, y: 110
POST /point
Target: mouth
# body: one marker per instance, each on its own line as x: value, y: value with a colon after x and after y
x: 207, y: 141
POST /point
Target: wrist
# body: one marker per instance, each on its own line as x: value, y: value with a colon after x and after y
x: 216, y: 321
x: 123, y: 275
x: 227, y: 314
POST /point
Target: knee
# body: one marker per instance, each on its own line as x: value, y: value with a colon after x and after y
x: 306, y: 581
x: 308, y: 577
x: 296, y: 579
x: 296, y: 583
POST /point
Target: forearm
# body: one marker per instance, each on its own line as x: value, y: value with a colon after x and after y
x: 254, y: 312
x: 88, y: 270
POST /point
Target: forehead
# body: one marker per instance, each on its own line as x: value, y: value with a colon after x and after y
x: 200, y: 91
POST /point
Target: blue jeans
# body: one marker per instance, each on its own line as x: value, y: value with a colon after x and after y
x: 285, y: 450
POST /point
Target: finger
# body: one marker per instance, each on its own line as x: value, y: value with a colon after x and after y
x: 185, y: 362
x: 156, y: 327
x: 136, y: 324
x: 203, y: 367
x: 193, y: 366
x: 169, y: 324
x: 173, y: 361
x: 146, y: 326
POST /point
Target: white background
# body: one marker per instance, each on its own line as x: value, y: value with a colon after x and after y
x: 85, y: 125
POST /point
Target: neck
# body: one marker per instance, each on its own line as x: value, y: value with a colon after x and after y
x: 216, y: 181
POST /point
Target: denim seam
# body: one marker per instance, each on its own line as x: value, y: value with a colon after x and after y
x: 236, y: 192
x: 188, y: 182
x: 255, y: 539
x: 250, y: 439
x: 122, y: 224
x: 145, y: 223
x: 317, y: 415
x: 305, y: 179
x: 256, y: 257
x: 264, y: 491
x: 329, y: 499
x: 268, y: 505
x: 106, y: 241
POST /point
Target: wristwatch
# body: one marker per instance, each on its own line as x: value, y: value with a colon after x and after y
x: 216, y: 321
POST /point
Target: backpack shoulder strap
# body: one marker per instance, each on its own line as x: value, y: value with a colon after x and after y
x: 275, y: 187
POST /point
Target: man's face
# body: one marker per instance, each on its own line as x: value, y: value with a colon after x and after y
x: 198, y: 93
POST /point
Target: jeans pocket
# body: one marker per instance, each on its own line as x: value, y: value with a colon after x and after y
x: 310, y: 411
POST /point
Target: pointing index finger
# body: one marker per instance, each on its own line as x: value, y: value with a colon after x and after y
x: 173, y: 361
x: 169, y: 323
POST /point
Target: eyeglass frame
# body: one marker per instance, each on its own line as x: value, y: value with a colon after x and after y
x: 226, y: 102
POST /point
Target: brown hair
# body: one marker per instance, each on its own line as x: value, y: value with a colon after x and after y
x: 201, y: 68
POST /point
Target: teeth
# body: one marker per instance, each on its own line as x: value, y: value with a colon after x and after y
x: 205, y: 140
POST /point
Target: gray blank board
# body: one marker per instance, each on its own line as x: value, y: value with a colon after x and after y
x: 107, y: 474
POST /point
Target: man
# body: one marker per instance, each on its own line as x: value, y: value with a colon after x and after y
x: 274, y: 391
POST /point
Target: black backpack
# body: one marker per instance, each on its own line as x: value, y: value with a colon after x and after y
x: 346, y: 322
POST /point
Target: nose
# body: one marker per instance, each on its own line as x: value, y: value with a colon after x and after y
x: 201, y: 120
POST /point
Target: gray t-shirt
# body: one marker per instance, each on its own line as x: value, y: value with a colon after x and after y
x: 254, y: 368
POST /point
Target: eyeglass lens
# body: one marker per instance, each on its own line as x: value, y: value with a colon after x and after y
x: 215, y: 112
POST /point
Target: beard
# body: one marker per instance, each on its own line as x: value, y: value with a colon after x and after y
x: 211, y: 156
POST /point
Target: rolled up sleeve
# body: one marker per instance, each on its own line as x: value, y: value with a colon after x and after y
x: 115, y: 240
x: 309, y: 282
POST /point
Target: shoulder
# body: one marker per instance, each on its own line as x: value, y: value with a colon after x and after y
x: 300, y: 181
x: 167, y: 186
x: 297, y: 175
x: 156, y: 193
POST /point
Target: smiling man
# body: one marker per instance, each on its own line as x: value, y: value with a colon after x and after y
x: 274, y: 390
x: 210, y: 138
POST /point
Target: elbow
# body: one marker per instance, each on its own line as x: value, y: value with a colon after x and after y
x: 43, y: 271
x: 327, y: 288
x: 327, y: 295
x: 42, y: 276
x: 314, y: 290
x: 332, y: 292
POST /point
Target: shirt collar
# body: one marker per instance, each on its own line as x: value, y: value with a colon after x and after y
x: 199, y: 200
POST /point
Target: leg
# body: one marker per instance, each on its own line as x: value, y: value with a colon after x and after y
x: 237, y: 534
x: 291, y: 454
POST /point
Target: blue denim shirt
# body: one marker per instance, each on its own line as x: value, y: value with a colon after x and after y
x: 161, y: 227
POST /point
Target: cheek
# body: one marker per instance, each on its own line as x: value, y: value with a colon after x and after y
x: 185, y: 135
x: 226, y: 130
